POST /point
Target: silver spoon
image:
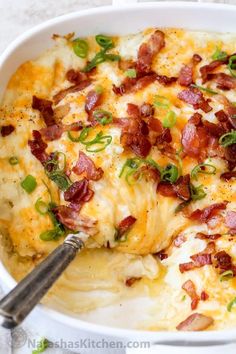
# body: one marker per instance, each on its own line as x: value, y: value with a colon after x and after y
x: 16, y: 305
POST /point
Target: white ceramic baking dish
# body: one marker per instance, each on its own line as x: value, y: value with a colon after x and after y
x: 114, y: 20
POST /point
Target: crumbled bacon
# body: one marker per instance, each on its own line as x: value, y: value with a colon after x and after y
x: 149, y: 173
x: 165, y: 80
x: 161, y: 255
x: 224, y: 261
x: 75, y: 76
x: 133, y: 110
x: 205, y: 214
x: 139, y: 144
x: 196, y: 119
x: 146, y: 110
x: 125, y: 225
x: 179, y: 189
x: 221, y: 116
x: 209, y: 68
x: 199, y: 259
x: 179, y: 240
x: 186, y: 73
x: 230, y: 110
x: 190, y: 289
x: 203, y: 236
x: 228, y: 175
x: 230, y: 221
x: 87, y: 166
x: 224, y: 81
x: 148, y: 50
x: 194, y: 96
x: 130, y: 281
x: 194, y: 139
x: 70, y: 218
x: 45, y: 108
x: 6, y: 130
x: 204, y: 296
x: 134, y: 84
x: 38, y: 147
x: 79, y: 192
x: 195, y: 322
x: 93, y: 99
x: 53, y: 132
x: 155, y: 125
x: 72, y: 89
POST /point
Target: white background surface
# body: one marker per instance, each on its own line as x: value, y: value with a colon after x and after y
x: 16, y: 17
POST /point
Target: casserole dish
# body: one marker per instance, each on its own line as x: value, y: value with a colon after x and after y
x: 184, y: 15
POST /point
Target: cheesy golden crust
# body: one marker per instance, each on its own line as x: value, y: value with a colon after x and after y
x: 136, y: 190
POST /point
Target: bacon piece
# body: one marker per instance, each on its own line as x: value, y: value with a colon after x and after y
x: 162, y: 255
x: 165, y: 80
x: 229, y: 108
x: 7, y: 130
x: 125, y: 225
x: 195, y: 322
x: 45, y: 108
x: 209, y: 68
x: 194, y: 96
x: 224, y: 81
x: 134, y: 85
x: 75, y: 76
x: 148, y: 50
x: 53, y: 132
x: 125, y: 64
x: 87, y: 166
x: 196, y: 119
x: 204, y: 296
x: 38, y: 147
x: 164, y: 137
x: 206, y: 214
x: 133, y: 110
x: 181, y: 187
x: 224, y: 261
x: 72, y: 89
x: 228, y: 175
x: 93, y: 99
x: 179, y: 240
x: 146, y: 110
x: 155, y: 125
x: 186, y: 73
x: 190, y: 289
x: 79, y: 192
x: 221, y: 116
x: 70, y: 218
x: 203, y: 236
x: 230, y: 221
x: 149, y: 173
x: 139, y: 144
x: 199, y: 259
x: 130, y: 281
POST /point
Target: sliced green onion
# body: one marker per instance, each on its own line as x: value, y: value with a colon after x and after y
x: 132, y: 164
x: 49, y: 235
x: 99, y: 58
x: 104, y: 41
x: 202, y: 88
x: 99, y: 139
x: 73, y: 138
x: 61, y: 180
x: 80, y: 47
x: 232, y: 65
x: 211, y: 170
x: 228, y: 274
x: 181, y: 206
x: 131, y: 73
x: 41, y: 347
x: 29, y: 184
x: 228, y: 139
x: 169, y: 120
x: 13, y: 160
x: 99, y: 89
x: 219, y: 55
x: 161, y: 101
x: 231, y: 304
x: 41, y: 206
x: 197, y: 192
x: 170, y: 173
x: 183, y: 298
x: 102, y: 116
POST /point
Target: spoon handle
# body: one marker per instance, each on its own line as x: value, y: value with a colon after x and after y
x: 15, y: 306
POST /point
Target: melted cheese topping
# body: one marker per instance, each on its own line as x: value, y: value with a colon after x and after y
x: 94, y: 284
